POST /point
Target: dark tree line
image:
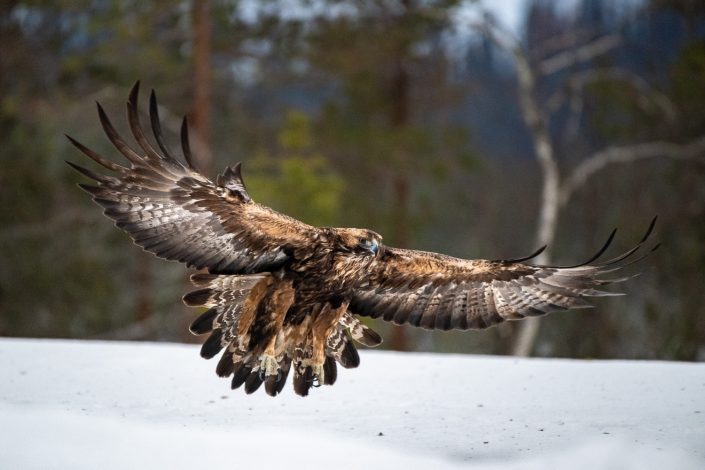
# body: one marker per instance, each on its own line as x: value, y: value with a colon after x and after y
x: 395, y: 116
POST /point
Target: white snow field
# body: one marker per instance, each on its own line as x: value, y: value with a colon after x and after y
x: 108, y: 405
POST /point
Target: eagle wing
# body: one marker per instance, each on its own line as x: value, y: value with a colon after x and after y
x: 435, y: 291
x: 173, y: 211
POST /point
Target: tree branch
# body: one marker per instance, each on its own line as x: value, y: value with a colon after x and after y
x: 626, y: 154
x: 568, y: 58
x: 554, y: 194
x: 649, y: 94
x: 649, y: 99
x: 535, y: 120
x: 559, y: 42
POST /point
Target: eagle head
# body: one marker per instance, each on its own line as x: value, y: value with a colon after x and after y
x: 358, y: 241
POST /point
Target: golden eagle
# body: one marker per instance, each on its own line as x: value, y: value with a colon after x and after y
x: 281, y: 294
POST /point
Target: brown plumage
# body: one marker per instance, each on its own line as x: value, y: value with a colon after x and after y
x: 280, y: 295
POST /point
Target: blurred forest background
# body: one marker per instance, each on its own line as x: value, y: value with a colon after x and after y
x: 433, y: 122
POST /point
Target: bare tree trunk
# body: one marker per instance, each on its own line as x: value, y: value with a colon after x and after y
x: 556, y: 192
x: 548, y: 214
x: 202, y: 78
x: 201, y: 110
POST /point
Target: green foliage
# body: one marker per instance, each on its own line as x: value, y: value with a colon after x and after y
x: 617, y: 112
x: 384, y: 129
x: 328, y: 115
x: 372, y: 153
x: 64, y: 271
x: 54, y: 281
x: 297, y: 181
x: 687, y: 79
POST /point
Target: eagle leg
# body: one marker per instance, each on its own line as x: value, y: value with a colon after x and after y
x: 268, y: 365
x: 323, y: 327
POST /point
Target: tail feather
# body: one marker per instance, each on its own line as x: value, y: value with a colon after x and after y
x: 199, y: 297
x: 349, y: 357
x: 270, y: 385
x: 341, y: 348
x: 285, y: 367
x: 213, y: 345
x: 330, y: 371
x: 204, y: 323
x: 236, y: 321
x: 253, y: 382
x: 360, y: 332
x: 240, y: 374
x: 303, y: 380
x: 226, y: 364
x: 274, y: 383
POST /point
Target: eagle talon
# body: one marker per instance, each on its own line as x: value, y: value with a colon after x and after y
x: 318, y: 375
x: 268, y: 366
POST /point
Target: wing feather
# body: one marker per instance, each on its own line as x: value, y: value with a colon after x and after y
x: 435, y: 291
x: 173, y: 211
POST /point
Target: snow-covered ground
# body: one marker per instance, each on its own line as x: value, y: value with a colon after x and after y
x: 80, y: 404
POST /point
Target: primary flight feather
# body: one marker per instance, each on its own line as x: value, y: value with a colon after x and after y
x: 281, y: 295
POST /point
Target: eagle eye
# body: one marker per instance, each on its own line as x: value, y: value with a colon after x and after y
x: 370, y: 245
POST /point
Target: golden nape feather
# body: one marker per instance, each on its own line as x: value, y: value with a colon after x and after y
x: 280, y: 297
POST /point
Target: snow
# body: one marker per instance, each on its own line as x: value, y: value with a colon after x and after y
x: 80, y: 404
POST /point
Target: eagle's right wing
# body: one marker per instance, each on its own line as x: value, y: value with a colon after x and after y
x: 436, y: 291
x: 176, y: 213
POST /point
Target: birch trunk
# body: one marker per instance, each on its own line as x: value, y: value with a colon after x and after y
x: 548, y: 212
x: 201, y: 110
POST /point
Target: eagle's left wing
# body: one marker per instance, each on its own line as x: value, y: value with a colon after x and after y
x: 436, y: 291
x: 173, y: 211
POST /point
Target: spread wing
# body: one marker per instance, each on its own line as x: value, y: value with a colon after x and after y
x: 435, y: 291
x: 173, y: 211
